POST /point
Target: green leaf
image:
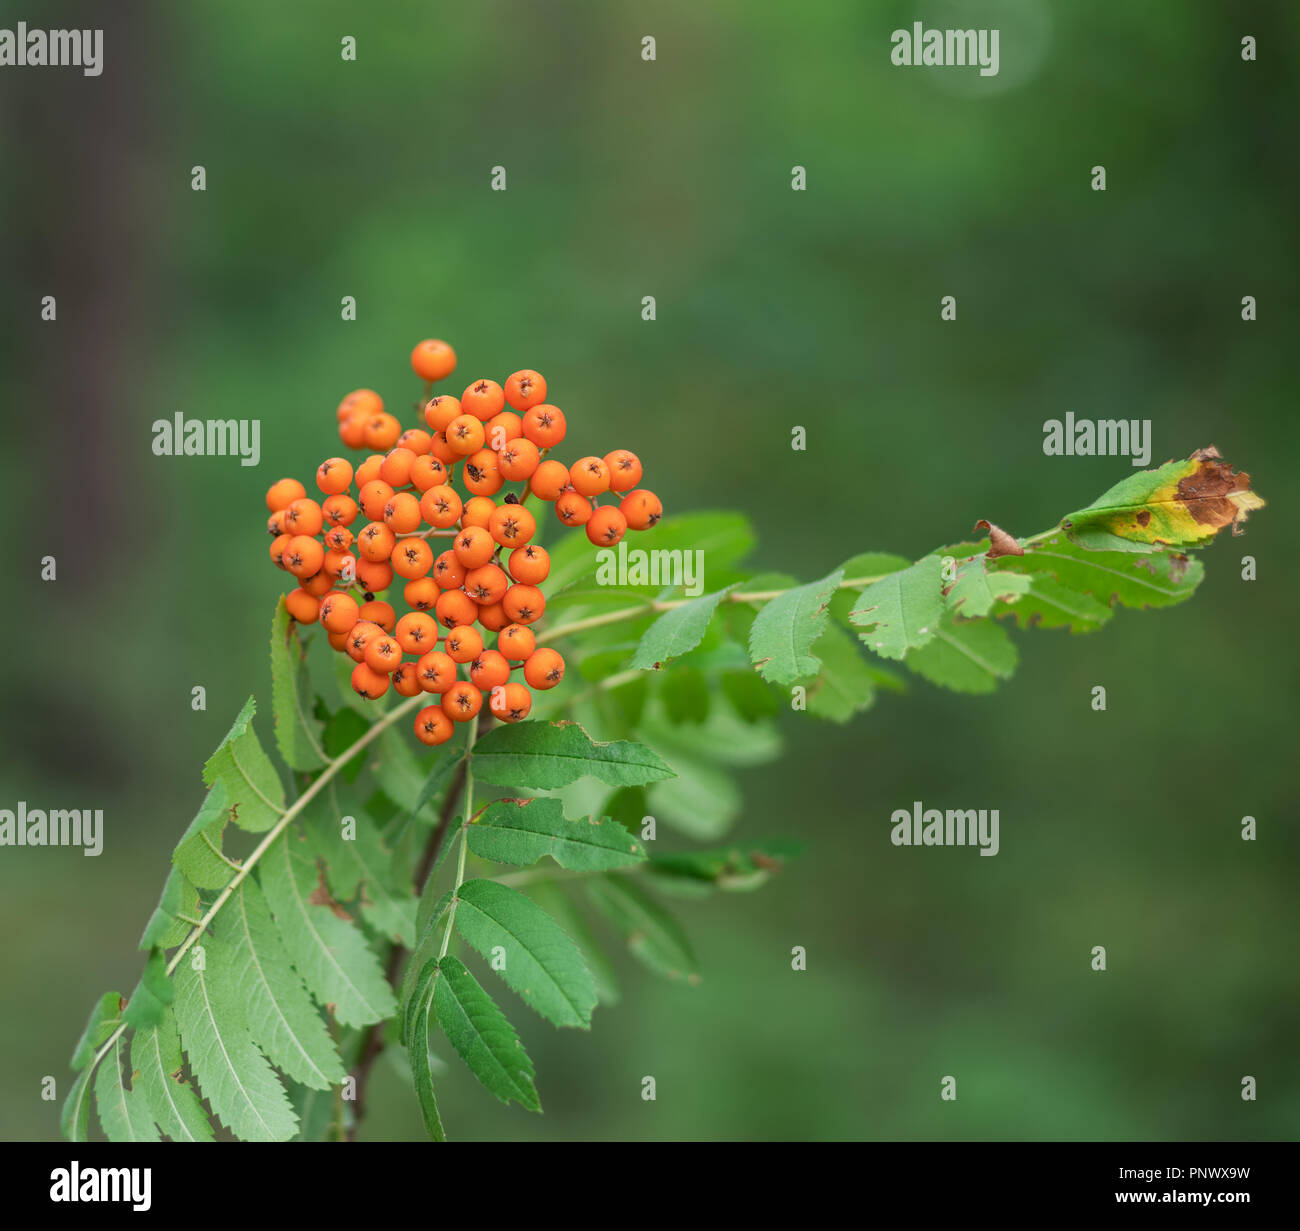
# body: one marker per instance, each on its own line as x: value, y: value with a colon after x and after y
x: 684, y: 693
x: 738, y: 868
x: 547, y: 755
x: 541, y: 963
x: 1048, y: 604
x: 157, y: 1062
x: 342, y: 729
x: 362, y: 863
x: 1181, y: 504
x: 846, y: 684
x: 522, y: 831
x: 418, y: 1052
x: 782, y: 635
x: 280, y: 1015
x: 556, y: 903
x: 295, y: 729
x: 253, y: 787
x: 482, y: 1036
x: 399, y: 771
x: 979, y: 586
x: 900, y: 612
x: 198, y: 853
x: 652, y: 934
x: 152, y: 994
x: 240, y: 1086
x: 164, y: 930
x: 676, y: 632
x: 1152, y: 579
x: 328, y: 952
x: 122, y: 1112
x: 104, y: 1019
x: 749, y: 696
x: 437, y: 779
x: 967, y: 656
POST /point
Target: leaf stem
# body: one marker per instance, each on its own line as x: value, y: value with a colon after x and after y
x: 463, y: 839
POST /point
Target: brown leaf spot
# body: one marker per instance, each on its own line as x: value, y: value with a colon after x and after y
x: 1000, y: 542
x: 1144, y: 517
x: 1205, y: 492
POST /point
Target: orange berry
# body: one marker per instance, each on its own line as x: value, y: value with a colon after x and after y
x: 474, y: 546
x: 440, y: 411
x: 432, y: 726
x: 422, y: 594
x: 339, y: 510
x: 606, y: 526
x: 428, y: 472
x: 524, y: 604
x: 278, y: 544
x: 525, y: 389
x: 530, y: 564
x: 303, y: 556
x: 503, y: 428
x: 624, y: 470
x: 486, y: 584
x: 483, y: 399
x: 275, y: 524
x: 415, y: 439
x: 433, y: 359
x: 573, y: 509
x: 449, y: 572
x: 516, y: 642
x: 512, y: 525
x: 463, y: 644
x: 376, y: 541
x: 303, y: 607
x: 340, y: 564
x: 359, y: 636
x: 437, y: 672
x: 395, y: 469
x: 412, y: 558
x: 368, y: 471
x: 373, y: 497
x: 381, y: 431
x: 334, y: 475
x: 511, y: 702
x: 440, y: 506
x: 352, y: 431
x: 322, y: 583
x: 462, y: 701
x: 378, y: 613
x: 383, y: 654
x: 589, y: 476
x: 402, y: 513
x: 303, y: 516
x: 282, y: 493
x: 641, y: 508
x: 338, y: 613
x: 375, y: 575
x: 544, y: 425
x: 518, y: 459
x: 338, y: 641
x: 442, y: 451
x: 465, y: 435
x: 493, y: 617
x: 360, y: 402
x: 489, y: 670
x: 544, y: 668
x: 405, y: 681
x: 454, y: 608
x: 416, y: 632
x: 478, y: 511
x: 549, y: 480
x: 368, y: 683
x: 482, y: 476
x: 338, y: 538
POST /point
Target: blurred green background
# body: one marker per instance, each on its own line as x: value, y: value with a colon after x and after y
x: 775, y: 308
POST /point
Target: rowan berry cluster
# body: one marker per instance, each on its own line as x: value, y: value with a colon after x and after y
x: 486, y: 582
